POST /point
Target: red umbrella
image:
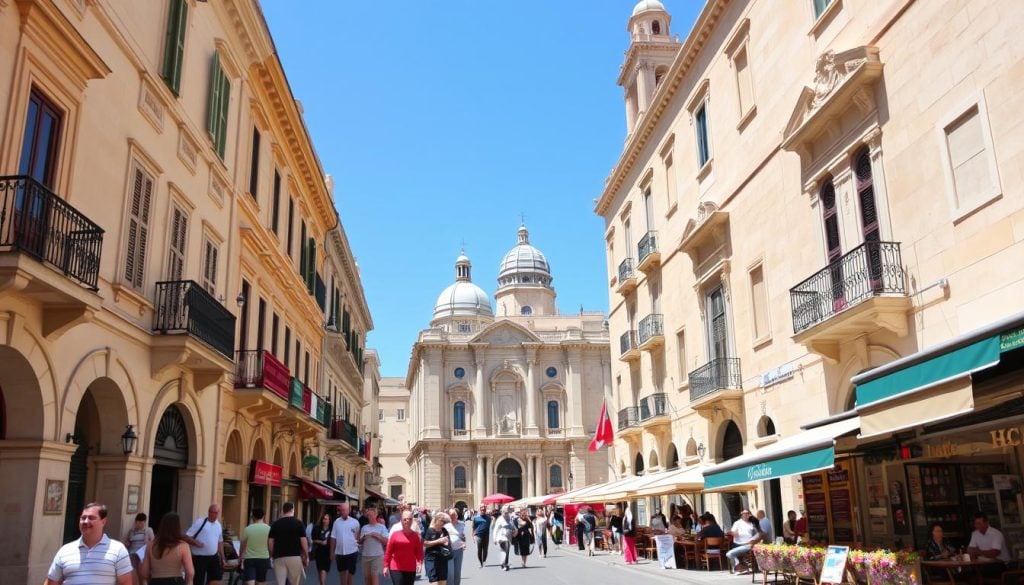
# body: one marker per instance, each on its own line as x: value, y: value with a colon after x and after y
x: 498, y: 498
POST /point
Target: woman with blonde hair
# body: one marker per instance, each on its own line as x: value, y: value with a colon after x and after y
x: 436, y: 543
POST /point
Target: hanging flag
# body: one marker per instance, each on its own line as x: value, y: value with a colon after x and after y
x: 604, y: 435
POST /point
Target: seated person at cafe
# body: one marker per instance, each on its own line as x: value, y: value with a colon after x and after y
x: 658, y: 523
x: 745, y: 533
x: 938, y: 548
x: 988, y: 542
x: 676, y: 529
x: 709, y: 527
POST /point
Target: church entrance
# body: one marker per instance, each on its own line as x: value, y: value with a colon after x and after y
x: 171, y: 455
x: 510, y: 478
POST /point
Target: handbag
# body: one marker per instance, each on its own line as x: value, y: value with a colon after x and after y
x: 443, y: 552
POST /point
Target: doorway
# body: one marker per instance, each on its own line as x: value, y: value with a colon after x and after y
x: 171, y: 451
x: 78, y: 473
x: 732, y: 446
x: 510, y: 478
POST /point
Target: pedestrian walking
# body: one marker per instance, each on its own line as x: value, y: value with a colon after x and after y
x: 344, y: 544
x: 254, y: 554
x: 457, y: 533
x: 168, y: 557
x: 288, y: 546
x: 540, y: 530
x: 136, y: 539
x: 321, y: 534
x: 615, y: 524
x: 93, y: 559
x: 482, y: 534
x: 588, y: 524
x: 437, y: 545
x: 524, y: 537
x: 373, y: 537
x: 404, y: 551
x: 503, y: 533
x: 629, y: 536
x: 206, y: 537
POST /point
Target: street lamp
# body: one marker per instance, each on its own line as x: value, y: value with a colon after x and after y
x: 701, y: 450
x: 128, y: 440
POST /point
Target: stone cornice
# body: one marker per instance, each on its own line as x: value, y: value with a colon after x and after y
x: 681, y: 66
x: 632, y: 56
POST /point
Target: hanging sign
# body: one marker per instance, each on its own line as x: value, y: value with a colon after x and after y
x: 263, y: 473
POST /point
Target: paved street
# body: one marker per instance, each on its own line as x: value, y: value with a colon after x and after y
x: 567, y: 566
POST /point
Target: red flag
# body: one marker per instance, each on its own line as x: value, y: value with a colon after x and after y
x: 604, y: 435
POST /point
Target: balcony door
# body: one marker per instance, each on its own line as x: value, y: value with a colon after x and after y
x: 41, y: 141
x: 833, y: 245
x: 869, y: 218
x: 649, y: 209
x: 718, y: 337
x: 178, y: 236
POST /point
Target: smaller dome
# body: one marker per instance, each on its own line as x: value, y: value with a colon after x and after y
x: 645, y: 5
x: 463, y: 299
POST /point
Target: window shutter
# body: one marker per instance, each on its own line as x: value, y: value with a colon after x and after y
x: 138, y: 227
x: 176, y: 258
x: 222, y: 113
x: 311, y: 266
x: 174, y: 44
x: 213, y: 100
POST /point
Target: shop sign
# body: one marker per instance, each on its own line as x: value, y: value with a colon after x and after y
x: 1008, y: 437
x: 264, y: 473
x: 1011, y: 339
x: 759, y: 472
x: 776, y: 375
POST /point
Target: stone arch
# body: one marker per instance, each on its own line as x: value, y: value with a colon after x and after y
x: 293, y: 465
x: 766, y: 427
x: 638, y: 464
x: 691, y: 448
x: 259, y: 449
x: 32, y: 412
x: 730, y: 435
x: 234, y: 453
x: 652, y: 459
x: 278, y: 458
x: 672, y: 457
x: 622, y: 468
x: 172, y: 393
x: 877, y: 355
x: 103, y: 372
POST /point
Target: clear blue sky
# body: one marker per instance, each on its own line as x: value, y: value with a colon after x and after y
x: 443, y: 121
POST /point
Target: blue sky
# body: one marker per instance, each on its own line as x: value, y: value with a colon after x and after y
x: 442, y: 122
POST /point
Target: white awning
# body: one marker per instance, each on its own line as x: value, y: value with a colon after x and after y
x: 689, y: 479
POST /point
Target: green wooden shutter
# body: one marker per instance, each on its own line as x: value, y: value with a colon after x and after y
x: 222, y: 113
x: 174, y: 45
x: 213, y: 100
x: 311, y: 267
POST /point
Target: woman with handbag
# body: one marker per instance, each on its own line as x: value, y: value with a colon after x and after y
x: 524, y: 537
x: 437, y: 551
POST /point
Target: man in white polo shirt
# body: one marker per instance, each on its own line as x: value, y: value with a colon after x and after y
x: 206, y: 536
x: 93, y: 559
x: 344, y: 544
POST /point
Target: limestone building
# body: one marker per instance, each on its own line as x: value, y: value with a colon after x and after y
x: 395, y: 436
x: 808, y: 190
x: 508, y: 402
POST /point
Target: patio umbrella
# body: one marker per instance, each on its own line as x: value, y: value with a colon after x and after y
x: 498, y: 498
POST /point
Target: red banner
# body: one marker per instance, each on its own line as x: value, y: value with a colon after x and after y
x: 263, y: 473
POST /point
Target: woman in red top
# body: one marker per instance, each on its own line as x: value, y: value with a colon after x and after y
x: 403, y: 553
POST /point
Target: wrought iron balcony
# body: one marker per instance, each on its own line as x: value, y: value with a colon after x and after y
x: 653, y: 406
x: 873, y: 269
x: 36, y: 222
x: 628, y: 417
x: 627, y: 276
x: 716, y: 375
x: 651, y: 331
x: 647, y: 252
x: 344, y: 431
x: 629, y: 349
x: 258, y: 368
x: 182, y: 306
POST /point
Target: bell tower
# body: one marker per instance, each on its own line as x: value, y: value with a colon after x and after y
x: 652, y: 48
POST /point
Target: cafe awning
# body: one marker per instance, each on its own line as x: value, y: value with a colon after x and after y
x: 613, y: 490
x: 933, y: 384
x: 687, y: 480
x: 311, y: 490
x: 568, y: 496
x: 810, y: 450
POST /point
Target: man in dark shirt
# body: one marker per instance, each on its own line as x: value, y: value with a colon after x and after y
x: 288, y: 546
x: 709, y: 528
x: 482, y: 534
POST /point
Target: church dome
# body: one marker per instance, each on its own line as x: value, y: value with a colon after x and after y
x: 463, y: 298
x: 645, y: 5
x: 524, y: 265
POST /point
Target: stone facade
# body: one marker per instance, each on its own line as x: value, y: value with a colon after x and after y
x: 395, y: 436
x: 824, y: 192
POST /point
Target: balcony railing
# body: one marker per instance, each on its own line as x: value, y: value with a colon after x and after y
x: 626, y: 270
x: 460, y: 433
x: 653, y: 405
x: 627, y: 342
x: 718, y: 374
x: 37, y: 222
x: 651, y: 326
x: 869, y: 270
x: 628, y: 417
x: 555, y: 432
x: 182, y: 306
x: 648, y: 245
x: 342, y: 430
x: 257, y: 368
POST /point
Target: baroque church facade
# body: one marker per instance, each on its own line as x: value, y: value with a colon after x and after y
x: 505, y: 402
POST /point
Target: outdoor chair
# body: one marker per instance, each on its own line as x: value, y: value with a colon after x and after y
x: 711, y: 548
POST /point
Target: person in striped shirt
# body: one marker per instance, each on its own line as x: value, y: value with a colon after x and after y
x: 93, y: 559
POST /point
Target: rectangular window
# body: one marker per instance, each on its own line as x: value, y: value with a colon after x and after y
x: 303, y: 250
x: 138, y: 227
x: 700, y: 121
x: 174, y: 44
x: 681, y: 355
x: 287, y: 345
x: 210, y: 252
x: 291, y: 223
x: 298, y: 356
x: 718, y: 333
x: 275, y: 323
x: 744, y: 84
x: 311, y: 275
x: 243, y: 319
x: 971, y: 164
x: 217, y: 106
x: 178, y: 244
x: 820, y: 6
x: 670, y: 181
x: 401, y: 414
x: 275, y: 209
x: 305, y: 370
x: 759, y: 297
x: 261, y: 325
x: 41, y: 140
x: 254, y: 164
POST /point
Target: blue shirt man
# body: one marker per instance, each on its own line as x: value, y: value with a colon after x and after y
x: 482, y: 533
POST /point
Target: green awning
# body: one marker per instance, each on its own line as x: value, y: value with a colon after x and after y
x: 940, y: 368
x: 782, y: 467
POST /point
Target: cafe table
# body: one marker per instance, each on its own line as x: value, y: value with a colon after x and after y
x: 954, y: 566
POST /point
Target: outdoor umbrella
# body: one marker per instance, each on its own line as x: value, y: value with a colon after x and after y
x: 498, y: 498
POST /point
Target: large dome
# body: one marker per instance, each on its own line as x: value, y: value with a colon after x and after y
x: 645, y: 5
x: 524, y: 265
x: 463, y: 299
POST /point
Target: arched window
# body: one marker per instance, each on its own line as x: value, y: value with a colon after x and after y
x: 459, y: 416
x: 673, y: 457
x: 656, y: 28
x: 638, y: 465
x: 459, y: 481
x: 555, y: 476
x: 553, y: 414
x: 765, y: 427
x: 526, y: 310
x: 234, y: 450
x: 732, y: 442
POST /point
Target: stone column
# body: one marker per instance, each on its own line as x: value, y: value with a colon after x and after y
x: 489, y: 476
x: 479, y: 488
x: 531, y: 390
x: 631, y: 109
x: 539, y: 475
x: 480, y: 395
x: 528, y: 479
x: 575, y: 390
x: 644, y: 87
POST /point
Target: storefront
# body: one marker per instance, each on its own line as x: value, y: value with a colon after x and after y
x: 264, y: 478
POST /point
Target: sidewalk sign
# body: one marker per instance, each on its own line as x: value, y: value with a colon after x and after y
x: 835, y: 565
x: 666, y: 551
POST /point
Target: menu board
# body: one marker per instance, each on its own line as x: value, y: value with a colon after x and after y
x: 828, y: 496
